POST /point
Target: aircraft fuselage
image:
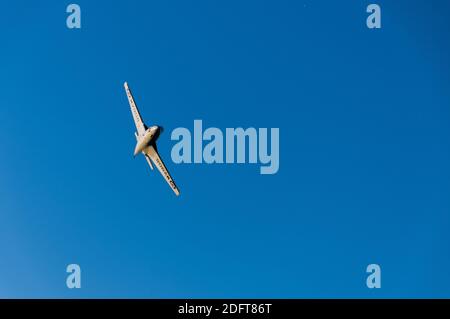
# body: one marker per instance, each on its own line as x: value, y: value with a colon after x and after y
x: 143, y: 141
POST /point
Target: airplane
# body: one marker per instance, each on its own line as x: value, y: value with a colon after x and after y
x: 146, y: 142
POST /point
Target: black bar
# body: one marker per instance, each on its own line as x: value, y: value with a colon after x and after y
x: 231, y: 308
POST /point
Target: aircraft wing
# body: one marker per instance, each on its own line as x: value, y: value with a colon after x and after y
x: 154, y: 156
x: 140, y: 126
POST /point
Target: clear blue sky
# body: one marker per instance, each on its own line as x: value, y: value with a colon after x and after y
x: 364, y: 149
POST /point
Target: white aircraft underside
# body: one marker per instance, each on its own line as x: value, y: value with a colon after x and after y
x: 146, y: 142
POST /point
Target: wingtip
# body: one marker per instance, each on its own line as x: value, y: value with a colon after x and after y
x: 125, y: 84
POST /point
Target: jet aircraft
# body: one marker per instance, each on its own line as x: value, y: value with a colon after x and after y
x: 146, y: 142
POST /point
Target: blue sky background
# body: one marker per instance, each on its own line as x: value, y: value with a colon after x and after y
x: 364, y: 149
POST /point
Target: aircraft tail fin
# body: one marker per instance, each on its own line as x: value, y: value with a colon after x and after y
x: 149, y: 161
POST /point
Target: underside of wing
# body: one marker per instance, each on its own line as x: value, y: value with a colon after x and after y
x: 154, y: 156
x: 140, y: 126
